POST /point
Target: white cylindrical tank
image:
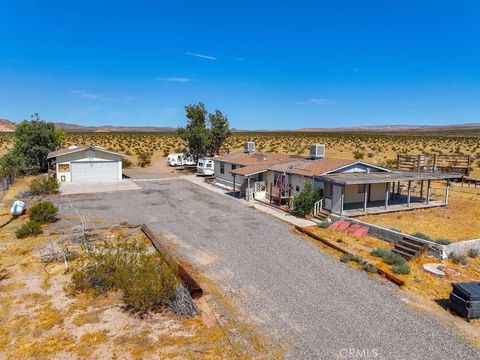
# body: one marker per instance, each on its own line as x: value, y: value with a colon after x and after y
x: 18, y: 208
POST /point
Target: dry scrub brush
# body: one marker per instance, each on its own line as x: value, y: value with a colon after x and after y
x: 146, y: 281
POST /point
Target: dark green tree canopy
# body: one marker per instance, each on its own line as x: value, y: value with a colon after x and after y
x: 204, y: 133
x: 33, y: 140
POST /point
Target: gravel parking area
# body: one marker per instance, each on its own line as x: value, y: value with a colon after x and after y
x: 285, y: 285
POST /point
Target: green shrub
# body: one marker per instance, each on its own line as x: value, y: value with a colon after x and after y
x: 401, y: 268
x: 422, y: 236
x: 126, y: 163
x: 43, y: 212
x: 349, y: 257
x: 457, y: 258
x: 303, y: 202
x: 44, y: 185
x: 394, y: 259
x: 380, y: 252
x: 358, y: 155
x: 145, y: 279
x: 144, y: 159
x: 369, y: 268
x: 443, y: 241
x: 30, y: 228
x: 473, y: 253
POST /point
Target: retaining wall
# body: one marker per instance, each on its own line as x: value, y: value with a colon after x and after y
x: 434, y: 249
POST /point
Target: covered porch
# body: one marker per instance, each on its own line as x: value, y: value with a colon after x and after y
x: 357, y: 194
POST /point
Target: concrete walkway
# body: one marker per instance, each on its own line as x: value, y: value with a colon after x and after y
x: 279, y: 214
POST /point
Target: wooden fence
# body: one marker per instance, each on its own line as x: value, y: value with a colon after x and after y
x: 435, y: 162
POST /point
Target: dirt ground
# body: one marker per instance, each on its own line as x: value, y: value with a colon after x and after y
x: 457, y: 221
x: 40, y: 319
x: 422, y: 290
x: 158, y: 169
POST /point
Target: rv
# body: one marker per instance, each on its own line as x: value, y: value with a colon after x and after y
x: 205, y: 167
x: 180, y: 159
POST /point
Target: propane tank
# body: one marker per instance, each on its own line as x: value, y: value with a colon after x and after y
x: 18, y: 208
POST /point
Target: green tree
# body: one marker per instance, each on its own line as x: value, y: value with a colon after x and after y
x: 219, y: 131
x: 195, y: 133
x: 303, y: 202
x: 33, y: 140
x: 204, y: 133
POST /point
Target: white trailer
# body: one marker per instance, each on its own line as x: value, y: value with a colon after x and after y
x: 180, y: 159
x: 205, y: 167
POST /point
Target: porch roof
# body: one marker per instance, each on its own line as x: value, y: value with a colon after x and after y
x: 383, y: 177
x: 249, y: 170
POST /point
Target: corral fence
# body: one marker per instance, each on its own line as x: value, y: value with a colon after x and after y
x: 6, y: 181
x: 435, y: 162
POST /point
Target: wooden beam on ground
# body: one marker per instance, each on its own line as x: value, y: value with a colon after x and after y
x: 193, y: 288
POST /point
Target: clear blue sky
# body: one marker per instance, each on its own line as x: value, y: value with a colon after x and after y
x: 266, y: 64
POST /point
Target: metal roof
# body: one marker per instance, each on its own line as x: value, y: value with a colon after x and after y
x: 76, y: 148
x: 353, y: 178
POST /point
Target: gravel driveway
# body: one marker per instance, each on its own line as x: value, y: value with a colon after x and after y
x: 286, y: 285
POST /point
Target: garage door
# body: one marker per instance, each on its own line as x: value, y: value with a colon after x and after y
x: 94, y: 171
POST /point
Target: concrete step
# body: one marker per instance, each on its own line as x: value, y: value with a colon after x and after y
x: 403, y: 254
x: 406, y: 249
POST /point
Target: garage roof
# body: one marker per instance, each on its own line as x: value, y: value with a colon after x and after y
x: 76, y: 148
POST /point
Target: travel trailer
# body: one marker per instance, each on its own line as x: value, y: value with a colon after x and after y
x: 180, y: 159
x: 205, y: 167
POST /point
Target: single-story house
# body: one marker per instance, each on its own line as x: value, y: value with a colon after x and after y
x: 350, y: 187
x: 86, y: 163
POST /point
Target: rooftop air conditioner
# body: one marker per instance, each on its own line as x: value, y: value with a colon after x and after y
x: 249, y: 147
x: 317, y: 151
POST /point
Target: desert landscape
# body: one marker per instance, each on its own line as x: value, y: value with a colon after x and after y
x: 376, y: 147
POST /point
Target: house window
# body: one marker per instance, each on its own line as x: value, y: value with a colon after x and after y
x: 297, y: 188
x: 222, y: 168
x: 63, y: 167
x: 260, y: 177
x: 361, y: 189
x: 234, y: 166
x: 328, y: 190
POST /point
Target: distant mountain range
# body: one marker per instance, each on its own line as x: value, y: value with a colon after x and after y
x: 9, y: 126
x: 388, y: 128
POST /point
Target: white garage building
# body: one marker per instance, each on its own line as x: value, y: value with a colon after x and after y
x: 86, y: 163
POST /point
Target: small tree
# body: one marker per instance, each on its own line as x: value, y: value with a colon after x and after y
x: 303, y: 202
x: 195, y: 133
x: 219, y: 131
x: 33, y: 141
x: 204, y: 133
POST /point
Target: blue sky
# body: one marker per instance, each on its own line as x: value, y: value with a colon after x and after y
x: 266, y: 64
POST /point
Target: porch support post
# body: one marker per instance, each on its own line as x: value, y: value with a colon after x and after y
x: 447, y: 187
x: 398, y: 188
x: 387, y: 194
x: 421, y: 190
x: 271, y: 186
x: 342, y: 199
x: 234, y: 190
x: 248, y: 188
x: 408, y: 193
x: 365, y: 198
x: 428, y: 191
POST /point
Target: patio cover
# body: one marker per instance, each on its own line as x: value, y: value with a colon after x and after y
x: 385, y: 177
